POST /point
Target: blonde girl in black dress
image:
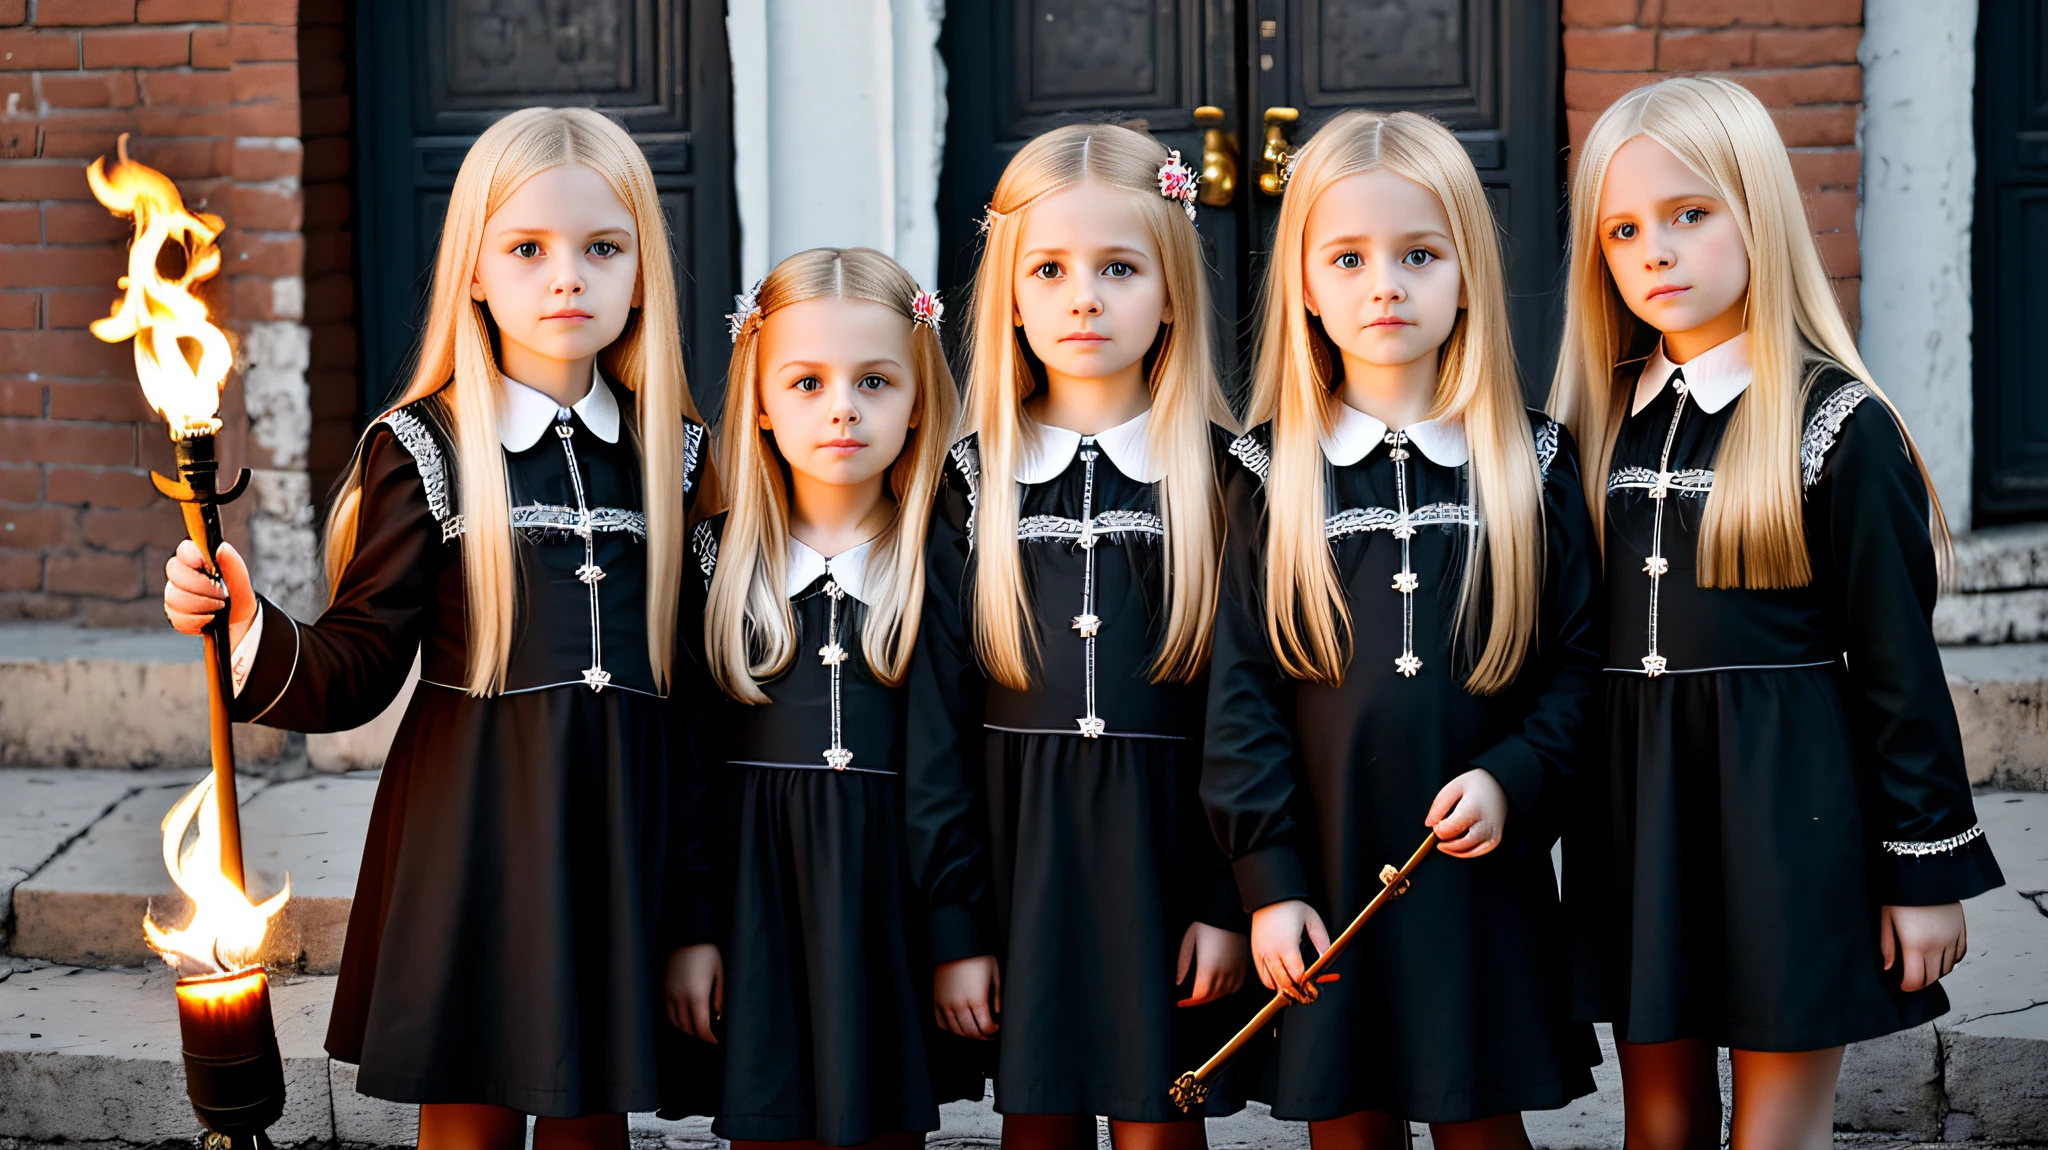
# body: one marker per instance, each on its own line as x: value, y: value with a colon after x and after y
x: 838, y: 413
x: 1080, y: 912
x: 518, y: 521
x: 1405, y: 641
x: 1777, y: 850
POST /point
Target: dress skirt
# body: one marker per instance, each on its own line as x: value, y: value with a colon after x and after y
x: 829, y: 1032
x: 1092, y: 899
x: 1726, y: 895
x: 506, y: 941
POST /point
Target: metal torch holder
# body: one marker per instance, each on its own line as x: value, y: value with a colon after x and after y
x: 198, y: 493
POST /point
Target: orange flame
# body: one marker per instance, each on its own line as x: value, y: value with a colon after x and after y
x: 226, y: 931
x: 180, y: 356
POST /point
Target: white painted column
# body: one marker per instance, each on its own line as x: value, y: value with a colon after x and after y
x: 839, y: 113
x: 1919, y: 183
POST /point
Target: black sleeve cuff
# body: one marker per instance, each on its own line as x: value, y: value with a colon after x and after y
x: 1221, y: 908
x: 1272, y: 875
x: 957, y: 932
x: 277, y: 662
x: 1936, y: 878
x: 1514, y: 765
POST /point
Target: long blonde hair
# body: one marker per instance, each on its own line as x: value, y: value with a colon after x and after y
x: 1186, y: 399
x: 1307, y: 620
x: 749, y: 631
x: 457, y: 370
x: 1752, y: 528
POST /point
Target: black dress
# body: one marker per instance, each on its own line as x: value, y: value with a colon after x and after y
x: 1060, y: 828
x: 1781, y: 763
x: 1452, y: 1005
x: 532, y: 856
x: 828, y: 1028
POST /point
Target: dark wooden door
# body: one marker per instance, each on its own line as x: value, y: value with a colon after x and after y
x: 2011, y: 256
x: 437, y: 72
x: 1487, y: 68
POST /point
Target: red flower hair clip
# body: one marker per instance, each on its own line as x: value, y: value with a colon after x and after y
x: 1179, y: 182
x: 926, y: 308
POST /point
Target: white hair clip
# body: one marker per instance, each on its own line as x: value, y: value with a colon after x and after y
x: 1179, y: 182
x: 1287, y: 167
x: 926, y: 308
x: 747, y: 304
x: 989, y: 216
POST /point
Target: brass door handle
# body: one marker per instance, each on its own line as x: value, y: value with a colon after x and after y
x: 1219, y: 158
x: 1278, y: 151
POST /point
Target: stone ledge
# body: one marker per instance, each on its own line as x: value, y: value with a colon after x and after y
x: 2001, y: 700
x: 75, y: 696
x: 85, y: 905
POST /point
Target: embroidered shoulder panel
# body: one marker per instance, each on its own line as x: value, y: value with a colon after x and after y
x: 1825, y: 427
x: 1359, y: 520
x: 1694, y: 482
x: 704, y: 544
x: 1546, y: 445
x: 693, y: 454
x: 1250, y: 452
x: 412, y: 434
x: 967, y: 457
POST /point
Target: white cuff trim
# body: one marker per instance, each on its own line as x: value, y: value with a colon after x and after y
x: 244, y: 656
x: 1939, y: 847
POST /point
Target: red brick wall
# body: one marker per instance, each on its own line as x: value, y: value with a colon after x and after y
x: 1798, y: 56
x: 211, y: 92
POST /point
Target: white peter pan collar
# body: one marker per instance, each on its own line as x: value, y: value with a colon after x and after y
x: 1356, y: 434
x: 525, y: 413
x: 1713, y: 378
x: 1125, y: 444
x: 849, y: 568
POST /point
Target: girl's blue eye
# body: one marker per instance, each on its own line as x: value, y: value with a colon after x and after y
x: 527, y: 250
x: 1692, y: 215
x: 1047, y: 271
x: 1419, y: 257
x: 874, y: 382
x: 1623, y: 232
x: 1349, y: 261
x: 605, y: 248
x: 1118, y: 269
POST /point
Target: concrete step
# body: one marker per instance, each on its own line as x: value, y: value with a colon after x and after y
x: 87, y: 840
x: 75, y: 696
x: 2001, y: 697
x: 92, y: 1056
x: 85, y: 900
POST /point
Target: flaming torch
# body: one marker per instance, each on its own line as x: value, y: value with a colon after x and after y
x: 233, y: 1071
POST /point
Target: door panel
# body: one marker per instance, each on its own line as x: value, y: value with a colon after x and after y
x: 443, y: 70
x: 1487, y: 68
x: 2011, y: 257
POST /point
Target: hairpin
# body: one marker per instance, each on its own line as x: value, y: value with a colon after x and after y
x: 747, y: 305
x: 989, y: 216
x: 1287, y: 167
x: 1179, y: 182
x: 926, y: 308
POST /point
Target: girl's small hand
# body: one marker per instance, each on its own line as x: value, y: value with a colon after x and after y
x: 1469, y: 815
x: 1219, y: 958
x: 1928, y: 940
x: 967, y: 994
x: 696, y: 990
x: 192, y: 597
x: 1276, y: 946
